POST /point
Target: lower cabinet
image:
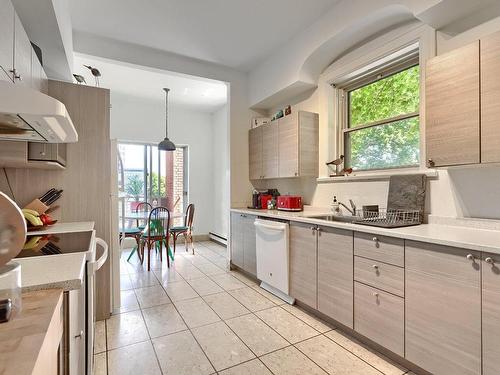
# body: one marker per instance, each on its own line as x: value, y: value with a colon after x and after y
x: 77, y: 344
x: 379, y: 316
x: 243, y: 252
x: 491, y: 314
x: 303, y: 263
x: 335, y: 274
x: 443, y: 308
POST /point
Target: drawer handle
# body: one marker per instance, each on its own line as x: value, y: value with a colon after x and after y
x: 490, y: 260
x: 375, y: 295
x: 375, y: 239
x: 314, y: 229
x: 470, y: 257
x: 375, y: 267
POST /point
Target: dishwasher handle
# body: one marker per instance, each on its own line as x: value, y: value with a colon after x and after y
x: 93, y: 267
x: 280, y: 228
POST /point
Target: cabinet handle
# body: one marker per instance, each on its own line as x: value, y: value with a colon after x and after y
x: 375, y: 267
x: 375, y: 239
x: 79, y: 336
x: 490, y: 260
x: 319, y: 229
x: 375, y: 295
x: 314, y: 228
x: 470, y: 257
x: 431, y: 163
x: 296, y: 174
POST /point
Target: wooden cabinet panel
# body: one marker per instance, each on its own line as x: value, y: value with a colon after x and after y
x: 443, y: 308
x: 335, y: 274
x: 303, y: 264
x: 36, y: 72
x: 452, y: 107
x: 255, y: 153
x: 22, y: 54
x: 237, y: 235
x: 288, y: 133
x: 249, y: 250
x: 491, y: 313
x: 44, y: 82
x: 384, y: 249
x: 6, y: 39
x: 269, y: 151
x: 380, y: 317
x: 490, y: 98
x: 380, y: 275
x: 309, y: 144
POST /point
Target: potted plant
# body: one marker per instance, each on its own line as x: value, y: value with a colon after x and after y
x: 134, y: 187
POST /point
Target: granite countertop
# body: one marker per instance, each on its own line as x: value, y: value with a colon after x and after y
x: 26, y: 338
x: 456, y: 236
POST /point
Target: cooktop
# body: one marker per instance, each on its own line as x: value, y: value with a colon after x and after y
x: 54, y: 244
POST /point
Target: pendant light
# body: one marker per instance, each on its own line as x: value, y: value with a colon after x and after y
x: 166, y: 144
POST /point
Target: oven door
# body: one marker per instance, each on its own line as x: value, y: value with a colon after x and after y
x: 93, y: 266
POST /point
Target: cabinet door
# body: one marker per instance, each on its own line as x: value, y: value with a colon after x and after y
x: 255, y: 153
x: 22, y: 54
x: 335, y: 274
x: 237, y: 239
x: 443, y: 308
x: 6, y: 39
x: 491, y: 314
x: 270, y: 150
x: 308, y: 143
x: 490, y: 98
x: 76, y: 317
x: 36, y: 72
x: 303, y: 263
x: 288, y: 146
x: 452, y: 107
x: 249, y: 252
x: 44, y: 82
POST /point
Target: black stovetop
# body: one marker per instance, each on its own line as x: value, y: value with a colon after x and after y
x: 54, y: 244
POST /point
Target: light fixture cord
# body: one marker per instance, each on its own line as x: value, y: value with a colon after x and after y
x: 166, y: 111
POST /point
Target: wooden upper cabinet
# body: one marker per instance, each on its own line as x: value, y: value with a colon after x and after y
x: 288, y: 134
x: 335, y: 274
x: 255, y: 153
x: 303, y: 263
x: 490, y: 98
x: 443, y: 308
x: 6, y: 39
x: 22, y: 54
x: 491, y: 313
x: 452, y: 107
x: 269, y: 151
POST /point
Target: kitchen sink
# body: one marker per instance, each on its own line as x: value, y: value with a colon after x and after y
x: 340, y: 218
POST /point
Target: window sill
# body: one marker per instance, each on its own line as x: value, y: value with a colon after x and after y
x: 377, y: 176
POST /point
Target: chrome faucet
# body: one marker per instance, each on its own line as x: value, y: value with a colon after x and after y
x: 352, y: 210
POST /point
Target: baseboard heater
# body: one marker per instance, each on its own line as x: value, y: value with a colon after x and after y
x: 217, y: 238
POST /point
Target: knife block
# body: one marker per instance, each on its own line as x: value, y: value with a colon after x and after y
x: 37, y: 205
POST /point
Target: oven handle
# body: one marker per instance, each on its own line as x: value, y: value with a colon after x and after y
x: 93, y: 267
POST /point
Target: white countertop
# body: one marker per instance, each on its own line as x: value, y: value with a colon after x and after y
x: 456, y: 236
x: 63, y: 271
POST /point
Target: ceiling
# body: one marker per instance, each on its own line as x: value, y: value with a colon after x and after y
x: 234, y: 33
x: 190, y: 92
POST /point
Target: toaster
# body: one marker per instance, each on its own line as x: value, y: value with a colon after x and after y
x: 290, y: 203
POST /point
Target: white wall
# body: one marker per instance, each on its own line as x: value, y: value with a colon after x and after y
x: 143, y: 120
x: 220, y: 176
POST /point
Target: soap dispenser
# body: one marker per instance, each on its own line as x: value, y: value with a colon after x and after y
x: 335, y: 206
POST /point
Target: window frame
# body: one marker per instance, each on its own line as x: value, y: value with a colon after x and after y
x: 377, y: 74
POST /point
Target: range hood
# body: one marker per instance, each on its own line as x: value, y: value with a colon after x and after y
x: 29, y: 115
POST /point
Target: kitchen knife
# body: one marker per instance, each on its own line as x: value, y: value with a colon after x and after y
x: 54, y: 197
x: 46, y: 195
x: 49, y: 196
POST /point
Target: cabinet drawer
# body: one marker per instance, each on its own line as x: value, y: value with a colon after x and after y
x: 380, y: 317
x: 384, y: 249
x: 379, y: 275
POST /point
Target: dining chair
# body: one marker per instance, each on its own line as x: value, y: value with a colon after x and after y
x: 135, y: 232
x: 186, y: 230
x: 156, y: 234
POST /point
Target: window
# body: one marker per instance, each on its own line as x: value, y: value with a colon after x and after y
x: 381, y: 119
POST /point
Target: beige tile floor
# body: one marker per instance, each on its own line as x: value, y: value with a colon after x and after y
x: 200, y: 318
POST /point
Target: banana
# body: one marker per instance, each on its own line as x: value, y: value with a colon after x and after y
x: 34, y: 220
x: 32, y: 242
x: 30, y: 211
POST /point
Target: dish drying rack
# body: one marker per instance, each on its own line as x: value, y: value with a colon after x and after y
x: 389, y: 218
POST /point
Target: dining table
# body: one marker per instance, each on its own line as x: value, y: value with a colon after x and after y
x: 144, y: 216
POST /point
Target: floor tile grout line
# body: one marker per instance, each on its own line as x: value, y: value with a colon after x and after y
x: 354, y: 354
x: 312, y: 360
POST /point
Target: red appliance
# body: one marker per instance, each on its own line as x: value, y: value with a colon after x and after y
x: 290, y: 203
x: 264, y: 198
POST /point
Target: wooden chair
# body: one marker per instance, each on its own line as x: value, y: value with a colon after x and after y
x: 137, y: 230
x: 186, y: 230
x: 156, y: 234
